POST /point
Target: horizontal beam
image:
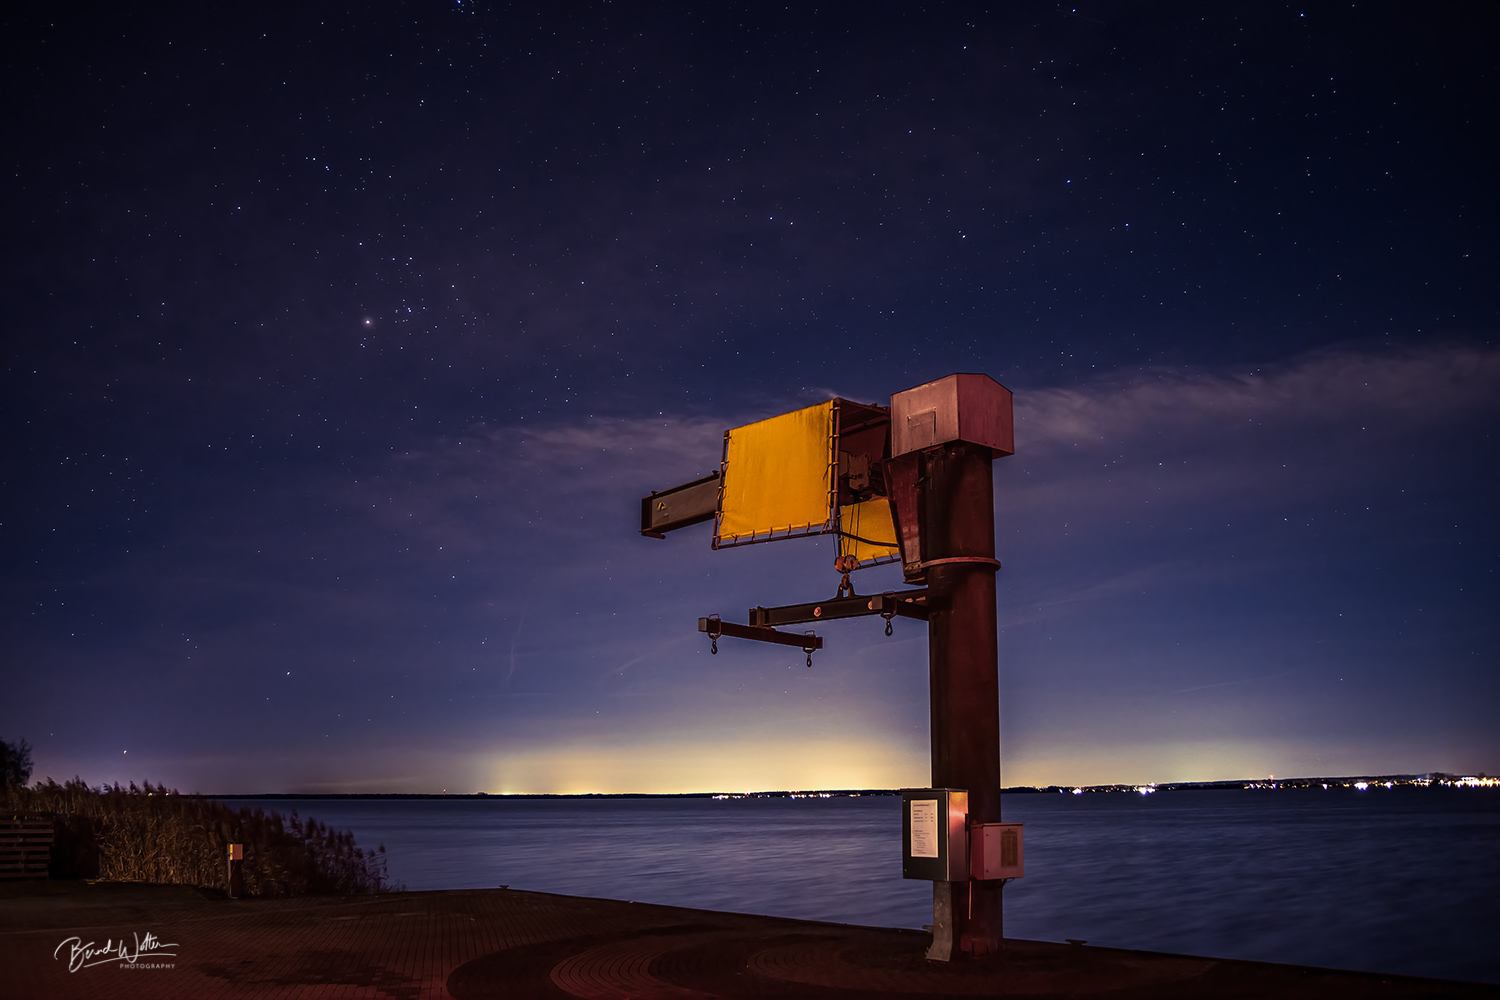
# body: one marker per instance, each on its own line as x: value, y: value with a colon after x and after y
x: 680, y: 506
x: 905, y: 603
x: 716, y: 628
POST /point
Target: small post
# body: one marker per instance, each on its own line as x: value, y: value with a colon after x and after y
x: 236, y: 880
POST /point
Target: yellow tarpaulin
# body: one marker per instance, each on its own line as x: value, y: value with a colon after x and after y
x: 864, y: 528
x: 778, y: 478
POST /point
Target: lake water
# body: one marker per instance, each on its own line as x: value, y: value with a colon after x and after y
x: 1403, y: 880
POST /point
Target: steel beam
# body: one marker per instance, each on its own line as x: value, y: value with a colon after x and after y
x: 903, y: 603
x: 716, y: 628
x: 680, y: 506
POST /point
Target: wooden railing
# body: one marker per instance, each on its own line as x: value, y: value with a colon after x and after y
x: 25, y: 846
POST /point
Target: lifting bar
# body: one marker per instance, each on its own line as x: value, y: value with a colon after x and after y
x: 905, y: 603
x: 715, y: 628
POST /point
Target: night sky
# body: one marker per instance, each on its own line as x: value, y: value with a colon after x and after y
x: 341, y: 343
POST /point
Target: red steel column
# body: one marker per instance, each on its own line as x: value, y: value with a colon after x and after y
x: 963, y: 667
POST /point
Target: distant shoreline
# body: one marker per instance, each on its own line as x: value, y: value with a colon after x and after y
x: 1432, y: 779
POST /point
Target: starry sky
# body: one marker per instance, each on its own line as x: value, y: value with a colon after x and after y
x: 340, y: 344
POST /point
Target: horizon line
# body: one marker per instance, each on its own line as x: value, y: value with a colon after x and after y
x: 1427, y: 776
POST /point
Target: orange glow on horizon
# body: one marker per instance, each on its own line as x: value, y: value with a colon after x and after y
x: 701, y: 766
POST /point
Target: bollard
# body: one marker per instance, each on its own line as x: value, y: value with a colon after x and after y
x: 236, y: 880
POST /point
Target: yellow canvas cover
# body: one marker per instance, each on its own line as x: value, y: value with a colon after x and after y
x: 865, y: 529
x: 778, y: 478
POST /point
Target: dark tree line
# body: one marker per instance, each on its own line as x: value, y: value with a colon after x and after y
x: 15, y: 764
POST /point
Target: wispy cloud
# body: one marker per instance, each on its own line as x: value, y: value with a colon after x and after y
x: 1143, y: 444
x: 1415, y: 387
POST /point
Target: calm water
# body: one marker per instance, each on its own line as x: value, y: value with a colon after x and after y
x: 1389, y: 880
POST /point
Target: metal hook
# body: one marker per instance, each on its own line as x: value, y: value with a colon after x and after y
x: 845, y: 565
x: 809, y: 649
x: 713, y: 636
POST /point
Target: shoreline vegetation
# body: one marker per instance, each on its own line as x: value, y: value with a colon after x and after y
x: 155, y: 834
x: 1435, y: 779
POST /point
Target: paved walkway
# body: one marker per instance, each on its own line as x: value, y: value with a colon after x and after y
x: 493, y: 943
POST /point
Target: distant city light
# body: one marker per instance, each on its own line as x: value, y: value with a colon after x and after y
x: 1473, y: 782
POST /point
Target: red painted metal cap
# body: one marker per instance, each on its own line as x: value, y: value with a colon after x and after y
x: 967, y: 407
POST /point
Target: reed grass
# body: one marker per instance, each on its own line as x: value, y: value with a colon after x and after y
x: 155, y: 834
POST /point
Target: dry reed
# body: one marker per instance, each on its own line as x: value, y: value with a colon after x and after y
x: 154, y: 834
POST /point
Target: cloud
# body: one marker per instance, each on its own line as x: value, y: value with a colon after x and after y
x: 1417, y: 387
x: 1171, y: 438
x: 1234, y: 444
x: 1135, y: 463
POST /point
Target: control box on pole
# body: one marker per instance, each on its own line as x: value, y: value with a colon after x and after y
x: 996, y: 851
x: 934, y: 829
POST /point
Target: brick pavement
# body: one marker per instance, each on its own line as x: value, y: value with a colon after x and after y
x: 491, y: 943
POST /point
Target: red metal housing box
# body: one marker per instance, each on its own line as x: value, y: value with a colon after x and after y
x: 971, y: 408
x: 996, y: 850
